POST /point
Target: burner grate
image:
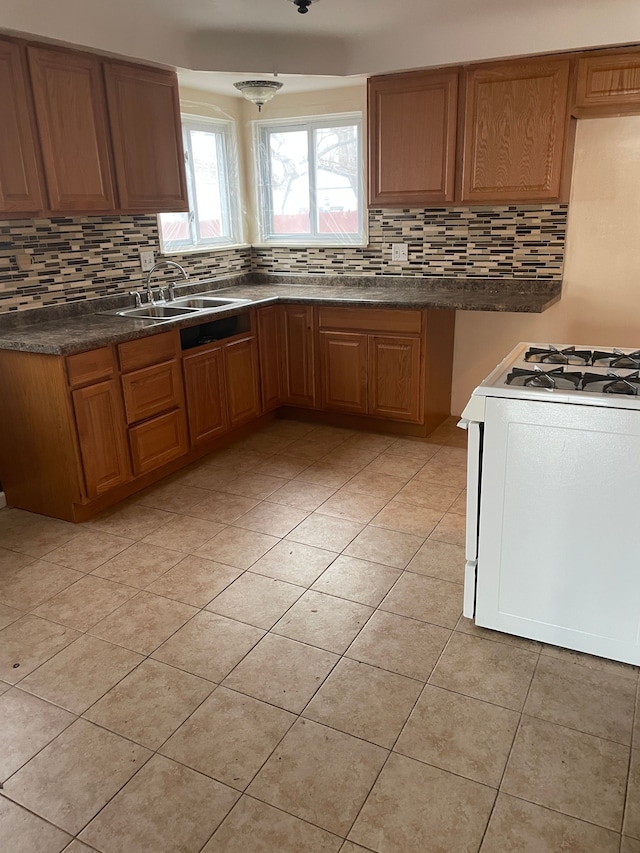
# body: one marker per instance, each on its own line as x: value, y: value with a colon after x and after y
x: 612, y: 383
x: 558, y: 377
x: 553, y: 355
x: 617, y: 359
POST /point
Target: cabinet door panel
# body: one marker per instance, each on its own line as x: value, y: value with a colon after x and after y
x: 343, y: 368
x: 147, y: 138
x: 241, y: 380
x: 101, y: 437
x: 72, y: 124
x: 608, y: 85
x: 204, y: 387
x: 298, y: 356
x: 152, y: 390
x: 158, y: 441
x: 515, y: 128
x: 20, y: 183
x: 269, y: 351
x: 412, y: 138
x: 394, y: 378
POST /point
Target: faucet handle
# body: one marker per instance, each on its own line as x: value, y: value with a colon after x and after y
x: 162, y: 292
x: 138, y: 298
x: 172, y: 292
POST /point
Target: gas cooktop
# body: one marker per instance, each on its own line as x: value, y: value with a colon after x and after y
x: 606, y: 376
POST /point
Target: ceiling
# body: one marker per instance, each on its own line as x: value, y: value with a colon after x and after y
x: 336, y: 38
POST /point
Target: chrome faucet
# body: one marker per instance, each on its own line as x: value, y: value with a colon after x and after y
x: 150, y: 298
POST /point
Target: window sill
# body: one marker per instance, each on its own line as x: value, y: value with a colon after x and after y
x: 204, y: 250
x: 273, y: 244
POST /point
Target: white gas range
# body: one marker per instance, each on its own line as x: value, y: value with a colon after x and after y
x: 553, y: 499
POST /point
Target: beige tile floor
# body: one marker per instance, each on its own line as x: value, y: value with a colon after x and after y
x: 265, y: 654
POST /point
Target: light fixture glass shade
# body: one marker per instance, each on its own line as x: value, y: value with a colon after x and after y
x: 258, y: 91
x: 303, y: 5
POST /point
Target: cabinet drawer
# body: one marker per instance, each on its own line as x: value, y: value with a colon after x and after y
x: 145, y: 351
x: 87, y: 367
x: 370, y: 319
x: 158, y: 441
x: 152, y: 390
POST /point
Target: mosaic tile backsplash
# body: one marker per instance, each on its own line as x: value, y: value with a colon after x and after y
x: 78, y: 258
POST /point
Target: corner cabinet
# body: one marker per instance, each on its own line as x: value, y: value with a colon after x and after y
x: 144, y: 112
x: 515, y: 131
x: 412, y: 122
x: 21, y: 188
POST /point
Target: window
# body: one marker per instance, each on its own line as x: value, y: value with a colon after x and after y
x: 310, y: 180
x: 211, y: 161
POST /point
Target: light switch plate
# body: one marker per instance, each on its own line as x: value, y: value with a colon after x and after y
x: 147, y: 260
x: 399, y: 252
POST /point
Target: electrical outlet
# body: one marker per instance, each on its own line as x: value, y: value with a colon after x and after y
x: 399, y: 252
x: 147, y: 260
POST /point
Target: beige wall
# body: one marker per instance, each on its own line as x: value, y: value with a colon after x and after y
x: 601, y: 289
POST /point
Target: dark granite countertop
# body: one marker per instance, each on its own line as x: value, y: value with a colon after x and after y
x: 74, y: 327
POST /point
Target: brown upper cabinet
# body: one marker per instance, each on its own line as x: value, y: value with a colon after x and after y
x: 412, y: 138
x: 72, y: 124
x: 144, y: 111
x: 80, y: 134
x: 515, y: 128
x: 608, y: 85
x: 20, y: 182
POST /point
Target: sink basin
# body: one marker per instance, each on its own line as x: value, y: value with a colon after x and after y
x: 157, y: 312
x: 207, y: 302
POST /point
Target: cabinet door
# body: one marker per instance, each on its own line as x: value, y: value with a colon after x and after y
x: 608, y: 85
x: 72, y: 123
x: 412, y: 138
x: 152, y: 390
x: 20, y: 187
x: 515, y: 129
x: 269, y: 351
x: 101, y: 435
x: 395, y: 389
x: 343, y: 372
x: 146, y: 135
x: 158, y: 441
x: 241, y: 381
x: 204, y: 387
x: 298, y: 356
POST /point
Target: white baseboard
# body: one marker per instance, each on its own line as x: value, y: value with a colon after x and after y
x: 3, y: 500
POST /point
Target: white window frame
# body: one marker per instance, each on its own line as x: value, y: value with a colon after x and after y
x: 261, y: 130
x: 230, y: 189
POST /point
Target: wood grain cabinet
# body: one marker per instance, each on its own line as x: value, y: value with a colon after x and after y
x: 21, y: 189
x: 368, y: 373
x: 344, y: 371
x: 204, y: 389
x: 144, y: 111
x: 608, y: 85
x: 515, y: 130
x: 269, y: 346
x: 101, y: 437
x: 154, y: 400
x: 298, y: 355
x: 412, y: 138
x: 241, y: 380
x: 72, y: 124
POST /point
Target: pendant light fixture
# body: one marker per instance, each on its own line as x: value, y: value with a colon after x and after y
x: 303, y: 5
x: 258, y: 91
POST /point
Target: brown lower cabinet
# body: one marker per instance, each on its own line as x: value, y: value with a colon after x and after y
x: 84, y: 431
x: 101, y: 437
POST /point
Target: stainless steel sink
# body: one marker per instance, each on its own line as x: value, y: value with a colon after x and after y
x: 157, y: 312
x: 207, y: 302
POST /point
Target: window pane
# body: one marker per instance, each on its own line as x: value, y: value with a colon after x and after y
x: 288, y: 153
x: 337, y: 179
x: 175, y: 228
x: 208, y: 178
